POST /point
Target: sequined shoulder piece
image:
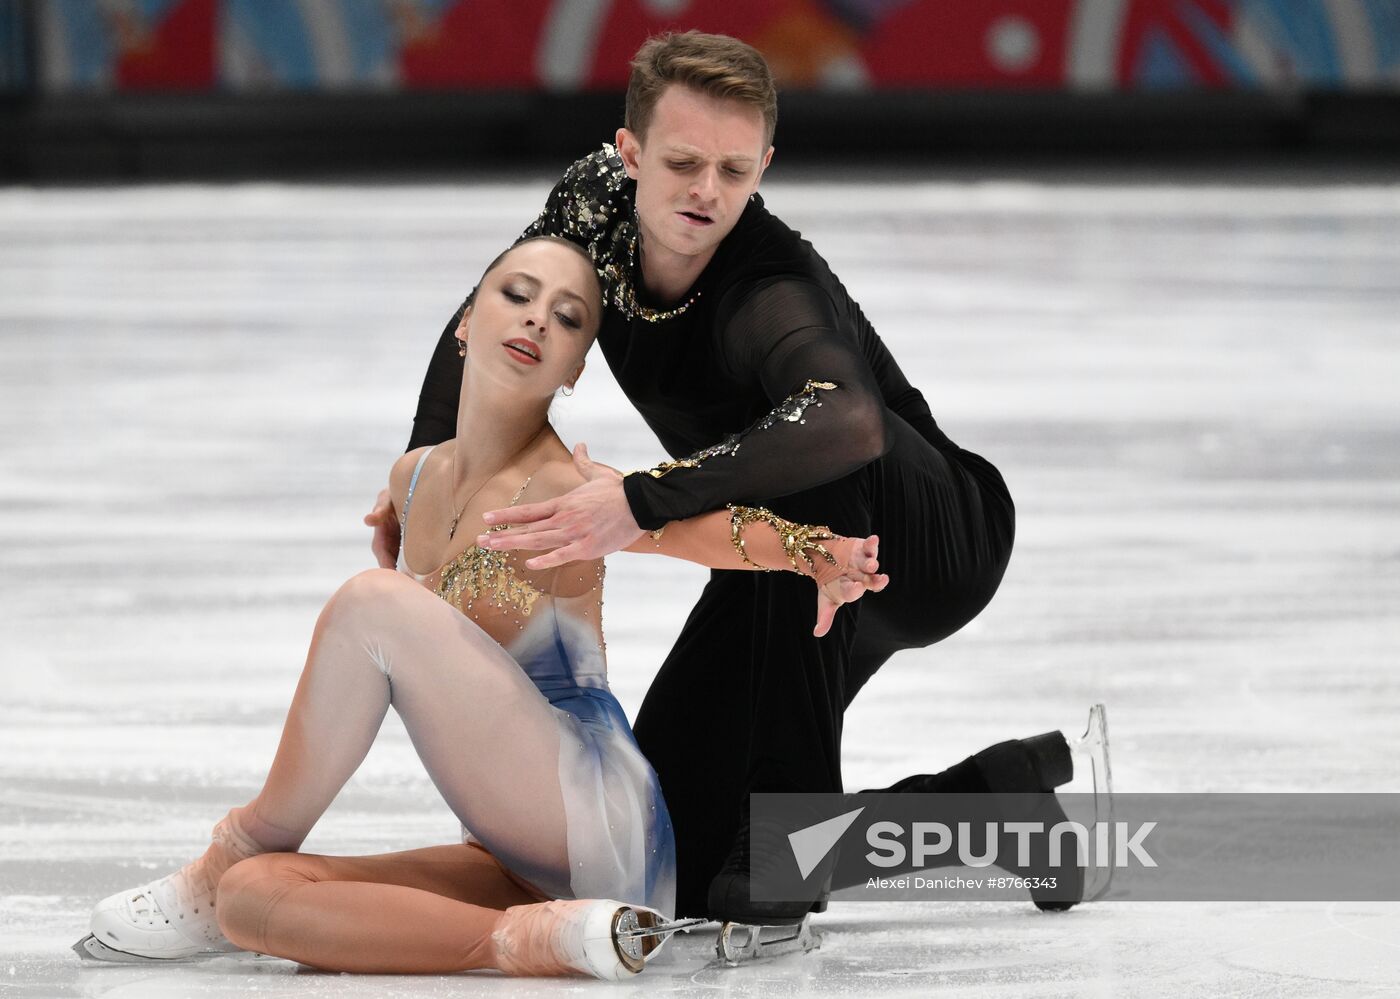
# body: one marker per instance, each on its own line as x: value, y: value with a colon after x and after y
x: 583, y: 204
x: 593, y: 205
x: 479, y: 572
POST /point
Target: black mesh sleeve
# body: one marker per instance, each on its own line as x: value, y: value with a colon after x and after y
x: 902, y: 398
x: 827, y: 420
x: 436, y: 418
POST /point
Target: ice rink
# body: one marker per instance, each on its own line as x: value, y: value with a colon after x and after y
x: 1191, y: 389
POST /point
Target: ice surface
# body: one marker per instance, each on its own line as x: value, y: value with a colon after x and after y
x: 1191, y: 391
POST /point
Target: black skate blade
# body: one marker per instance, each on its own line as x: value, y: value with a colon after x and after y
x: 745, y: 943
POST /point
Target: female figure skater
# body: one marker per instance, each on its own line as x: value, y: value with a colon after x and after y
x: 498, y: 673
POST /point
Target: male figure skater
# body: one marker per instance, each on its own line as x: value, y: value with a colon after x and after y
x: 762, y: 379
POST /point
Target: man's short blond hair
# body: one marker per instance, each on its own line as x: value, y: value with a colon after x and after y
x: 716, y: 65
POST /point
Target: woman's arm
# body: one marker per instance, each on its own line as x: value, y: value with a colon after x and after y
x: 738, y: 537
x: 757, y: 539
x: 400, y: 475
x: 384, y: 518
x: 753, y: 538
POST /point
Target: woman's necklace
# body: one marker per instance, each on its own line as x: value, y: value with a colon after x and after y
x: 452, y: 529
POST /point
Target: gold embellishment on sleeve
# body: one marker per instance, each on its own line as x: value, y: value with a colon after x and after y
x: 727, y: 446
x: 794, y: 406
x: 790, y: 410
x: 798, y: 539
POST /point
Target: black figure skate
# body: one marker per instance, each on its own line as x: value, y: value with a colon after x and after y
x: 751, y: 929
x: 1028, y: 771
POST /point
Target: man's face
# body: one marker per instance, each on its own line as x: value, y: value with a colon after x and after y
x: 700, y: 160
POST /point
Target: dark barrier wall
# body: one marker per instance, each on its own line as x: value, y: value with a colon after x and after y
x: 168, y: 88
x: 329, y: 45
x: 14, y: 61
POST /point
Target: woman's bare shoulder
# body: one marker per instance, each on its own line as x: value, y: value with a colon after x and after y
x: 553, y: 478
x: 402, y: 473
x: 572, y: 579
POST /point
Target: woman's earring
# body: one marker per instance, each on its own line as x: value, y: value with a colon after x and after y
x: 568, y: 390
x: 461, y: 348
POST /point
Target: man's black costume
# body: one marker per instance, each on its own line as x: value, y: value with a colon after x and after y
x: 767, y: 386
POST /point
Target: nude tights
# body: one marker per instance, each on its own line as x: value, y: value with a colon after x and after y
x: 483, y: 732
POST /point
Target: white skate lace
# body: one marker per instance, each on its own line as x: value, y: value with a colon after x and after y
x: 191, y: 887
x: 142, y: 902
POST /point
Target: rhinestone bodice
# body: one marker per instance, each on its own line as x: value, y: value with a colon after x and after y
x: 549, y: 620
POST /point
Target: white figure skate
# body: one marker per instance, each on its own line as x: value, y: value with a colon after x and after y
x: 171, y: 919
x: 597, y: 937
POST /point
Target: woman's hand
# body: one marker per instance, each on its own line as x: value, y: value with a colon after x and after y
x: 842, y: 584
x: 386, y: 531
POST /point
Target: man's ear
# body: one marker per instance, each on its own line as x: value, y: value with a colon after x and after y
x: 763, y: 166
x: 629, y: 147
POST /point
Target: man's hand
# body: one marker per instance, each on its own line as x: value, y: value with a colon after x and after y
x: 861, y: 573
x: 589, y: 521
x: 386, y: 531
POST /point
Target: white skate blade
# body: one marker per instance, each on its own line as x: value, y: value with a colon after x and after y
x: 1093, y: 748
x: 89, y: 948
x: 743, y: 943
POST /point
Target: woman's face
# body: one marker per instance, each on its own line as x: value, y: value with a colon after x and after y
x: 534, y: 317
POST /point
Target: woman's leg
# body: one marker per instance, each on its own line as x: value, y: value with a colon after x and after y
x: 488, y: 738
x: 424, y: 911
x: 437, y: 910
x: 483, y: 731
x: 491, y: 743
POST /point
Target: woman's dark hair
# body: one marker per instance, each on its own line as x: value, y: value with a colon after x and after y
x: 534, y: 239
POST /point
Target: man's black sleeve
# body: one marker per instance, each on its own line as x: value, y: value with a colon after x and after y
x: 436, y: 418
x: 827, y: 420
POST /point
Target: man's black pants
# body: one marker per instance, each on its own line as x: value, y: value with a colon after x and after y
x: 749, y: 701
